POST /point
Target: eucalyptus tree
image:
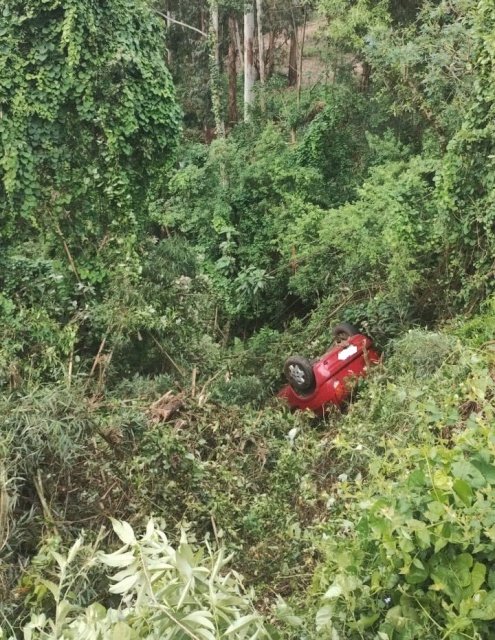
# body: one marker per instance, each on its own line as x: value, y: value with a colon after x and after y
x: 249, y: 69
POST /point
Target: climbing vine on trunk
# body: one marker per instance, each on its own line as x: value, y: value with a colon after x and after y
x: 89, y: 120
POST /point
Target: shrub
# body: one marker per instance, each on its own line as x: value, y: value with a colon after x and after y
x: 166, y: 592
x: 409, y: 547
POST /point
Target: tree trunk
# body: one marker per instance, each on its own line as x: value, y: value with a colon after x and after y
x: 169, y: 51
x: 249, y: 68
x: 270, y: 55
x: 301, y: 58
x: 261, y: 41
x: 365, y: 78
x: 215, y: 83
x: 292, y: 75
x: 238, y: 44
x: 232, y: 69
x: 215, y: 32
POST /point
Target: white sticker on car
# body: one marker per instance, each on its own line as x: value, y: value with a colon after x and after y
x: 347, y: 352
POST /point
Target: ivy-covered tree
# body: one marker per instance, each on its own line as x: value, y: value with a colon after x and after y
x: 88, y: 123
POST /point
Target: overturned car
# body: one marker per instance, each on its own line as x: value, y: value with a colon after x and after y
x: 330, y: 379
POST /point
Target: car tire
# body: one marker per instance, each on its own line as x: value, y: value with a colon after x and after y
x: 344, y: 330
x: 300, y: 375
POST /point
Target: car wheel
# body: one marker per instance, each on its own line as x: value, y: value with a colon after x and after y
x: 343, y: 331
x: 300, y: 375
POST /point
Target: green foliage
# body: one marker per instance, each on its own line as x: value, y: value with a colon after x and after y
x: 88, y: 116
x: 377, y: 252
x: 478, y: 331
x: 423, y: 68
x: 240, y: 390
x: 409, y: 539
x: 335, y: 141
x: 234, y: 473
x: 153, y: 318
x: 351, y: 20
x: 217, y: 199
x: 466, y: 179
x: 89, y: 124
x: 146, y: 311
x: 217, y: 202
x: 178, y: 592
x: 434, y: 70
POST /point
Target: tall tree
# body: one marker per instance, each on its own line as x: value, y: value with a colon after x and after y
x: 89, y: 120
x: 293, y: 66
x: 249, y: 68
x: 261, y: 40
x: 232, y: 71
x: 215, y: 83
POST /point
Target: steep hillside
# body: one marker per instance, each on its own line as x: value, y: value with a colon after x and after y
x: 156, y: 271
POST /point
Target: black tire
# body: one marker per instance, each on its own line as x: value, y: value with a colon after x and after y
x: 344, y: 330
x: 299, y: 374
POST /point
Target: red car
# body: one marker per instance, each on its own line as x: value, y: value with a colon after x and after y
x: 329, y: 380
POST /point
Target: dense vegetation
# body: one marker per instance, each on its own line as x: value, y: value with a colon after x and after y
x: 160, y: 259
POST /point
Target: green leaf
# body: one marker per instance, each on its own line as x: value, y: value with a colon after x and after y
x: 436, y: 511
x: 241, y: 623
x: 452, y: 575
x: 417, y: 478
x: 121, y: 631
x: 486, y: 608
x: 464, y: 470
x: 417, y: 572
x: 486, y: 469
x: 463, y: 490
x: 478, y: 576
x: 365, y: 622
x: 491, y: 578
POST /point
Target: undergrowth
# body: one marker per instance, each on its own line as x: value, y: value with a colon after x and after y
x: 284, y: 492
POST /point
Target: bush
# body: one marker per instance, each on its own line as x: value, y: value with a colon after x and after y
x: 182, y: 592
x: 408, y: 548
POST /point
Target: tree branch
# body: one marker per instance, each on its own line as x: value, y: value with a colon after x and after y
x: 182, y: 24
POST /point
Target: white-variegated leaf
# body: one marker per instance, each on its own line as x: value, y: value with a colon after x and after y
x: 184, y: 593
x: 96, y: 611
x: 128, y: 571
x: 61, y: 561
x: 324, y: 618
x: 333, y: 592
x: 124, y: 531
x: 52, y: 587
x: 201, y: 618
x: 242, y: 622
x: 150, y: 528
x: 117, y: 559
x: 204, y: 634
x: 121, y: 631
x: 293, y: 620
x: 63, y: 609
x: 74, y: 549
x: 183, y: 565
x: 124, y: 585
